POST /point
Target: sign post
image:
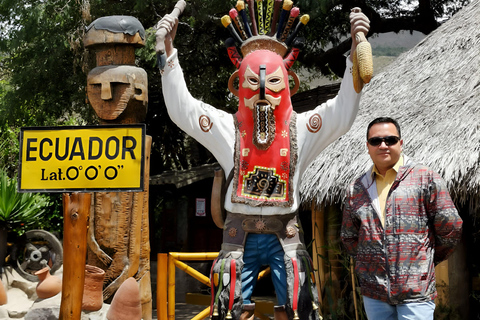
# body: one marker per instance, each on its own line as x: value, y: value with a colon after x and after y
x: 77, y: 161
x: 86, y: 159
x: 76, y: 211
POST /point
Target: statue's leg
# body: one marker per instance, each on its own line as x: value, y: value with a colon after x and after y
x: 277, y: 268
x: 227, y: 301
x: 254, y: 257
x: 302, y: 296
x: 302, y: 292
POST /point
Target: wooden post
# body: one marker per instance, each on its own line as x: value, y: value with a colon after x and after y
x: 76, y: 210
x: 442, y: 283
x: 162, y: 286
x: 333, y: 220
x: 171, y: 288
x: 319, y: 251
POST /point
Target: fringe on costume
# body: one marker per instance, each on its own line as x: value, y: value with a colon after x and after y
x: 222, y: 275
x: 302, y: 297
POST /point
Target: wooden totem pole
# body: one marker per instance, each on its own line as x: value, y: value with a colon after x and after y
x: 118, y: 235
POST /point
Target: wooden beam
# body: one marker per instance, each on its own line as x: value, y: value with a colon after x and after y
x: 319, y: 250
x: 76, y: 211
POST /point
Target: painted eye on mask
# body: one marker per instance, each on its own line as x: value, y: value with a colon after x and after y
x: 274, y: 81
x: 254, y: 81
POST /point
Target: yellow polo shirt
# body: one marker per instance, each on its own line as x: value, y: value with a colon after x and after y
x: 384, y: 183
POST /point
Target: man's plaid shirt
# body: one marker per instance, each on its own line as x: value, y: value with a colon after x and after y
x: 396, y: 263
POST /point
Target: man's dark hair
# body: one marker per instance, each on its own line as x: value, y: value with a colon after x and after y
x: 385, y: 120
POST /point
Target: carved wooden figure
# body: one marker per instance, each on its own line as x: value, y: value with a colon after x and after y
x: 118, y: 235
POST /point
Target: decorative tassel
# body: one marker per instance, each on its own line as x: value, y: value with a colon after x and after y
x: 251, y: 11
x: 233, y: 280
x: 215, y: 311
x: 213, y: 284
x: 276, y: 10
x: 227, y: 23
x: 268, y: 17
x: 219, y: 290
x: 287, y: 6
x: 303, y: 21
x: 234, y: 16
x: 295, y: 315
x: 291, y: 58
x: 241, y: 9
x: 233, y: 53
x: 295, y: 289
x: 293, y: 15
x: 261, y: 27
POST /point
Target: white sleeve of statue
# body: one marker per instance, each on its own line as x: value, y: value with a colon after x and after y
x: 212, y: 127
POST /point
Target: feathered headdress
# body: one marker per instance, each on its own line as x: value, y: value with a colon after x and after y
x: 276, y: 30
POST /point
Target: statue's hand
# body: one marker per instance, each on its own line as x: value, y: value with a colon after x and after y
x: 105, y: 258
x: 108, y: 292
x: 166, y: 31
x: 358, y: 23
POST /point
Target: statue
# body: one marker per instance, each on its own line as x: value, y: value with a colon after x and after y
x: 118, y: 235
x: 264, y: 148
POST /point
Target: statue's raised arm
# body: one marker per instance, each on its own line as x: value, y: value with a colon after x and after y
x: 166, y: 30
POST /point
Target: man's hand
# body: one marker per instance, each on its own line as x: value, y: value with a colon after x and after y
x: 358, y: 23
x: 169, y: 25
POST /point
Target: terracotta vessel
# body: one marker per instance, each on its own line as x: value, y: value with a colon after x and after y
x: 126, y: 303
x: 48, y: 285
x: 3, y: 294
x: 93, y: 288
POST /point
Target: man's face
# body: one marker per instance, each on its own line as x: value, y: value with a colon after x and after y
x: 383, y: 156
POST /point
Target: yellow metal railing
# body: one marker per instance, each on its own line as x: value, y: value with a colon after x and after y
x: 166, y: 264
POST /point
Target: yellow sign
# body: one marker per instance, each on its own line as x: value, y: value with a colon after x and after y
x: 82, y: 159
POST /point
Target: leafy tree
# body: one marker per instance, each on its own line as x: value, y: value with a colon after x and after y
x: 41, y: 41
x: 44, y: 64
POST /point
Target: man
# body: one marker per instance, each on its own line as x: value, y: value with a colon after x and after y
x: 266, y: 147
x: 399, y: 222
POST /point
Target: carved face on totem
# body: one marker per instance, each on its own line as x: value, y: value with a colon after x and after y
x: 118, y: 92
x: 264, y: 94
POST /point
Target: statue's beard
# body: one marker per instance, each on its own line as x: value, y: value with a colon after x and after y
x: 263, y: 120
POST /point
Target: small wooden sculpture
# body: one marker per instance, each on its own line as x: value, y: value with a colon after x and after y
x: 118, y: 236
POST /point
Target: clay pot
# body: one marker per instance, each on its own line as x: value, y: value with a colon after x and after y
x: 48, y: 285
x: 93, y: 288
x: 126, y: 303
x: 3, y: 294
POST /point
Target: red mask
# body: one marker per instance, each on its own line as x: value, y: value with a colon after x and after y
x: 263, y: 150
x: 264, y: 95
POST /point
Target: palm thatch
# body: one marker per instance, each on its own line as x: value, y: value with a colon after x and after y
x: 433, y: 90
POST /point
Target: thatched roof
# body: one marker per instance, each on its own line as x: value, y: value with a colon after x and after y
x: 433, y: 90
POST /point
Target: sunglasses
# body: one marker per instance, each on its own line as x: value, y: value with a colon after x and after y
x: 389, y: 141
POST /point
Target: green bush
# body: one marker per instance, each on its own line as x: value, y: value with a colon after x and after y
x: 18, y: 211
